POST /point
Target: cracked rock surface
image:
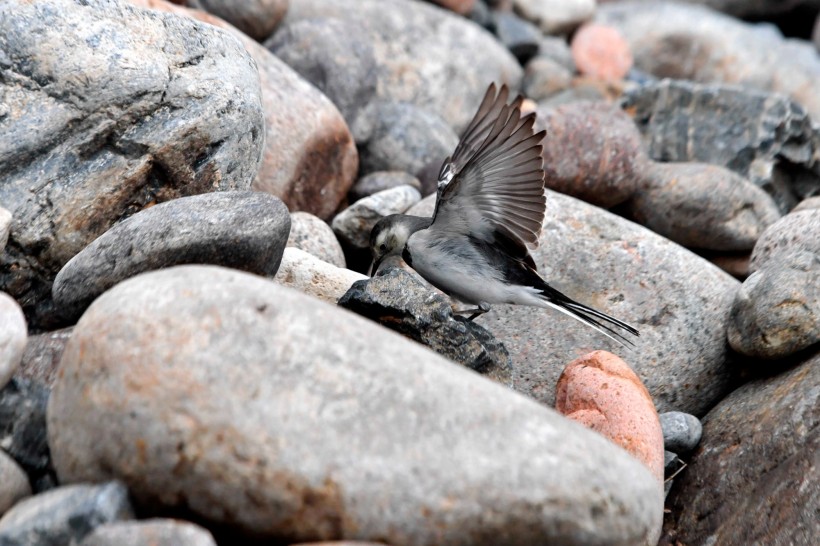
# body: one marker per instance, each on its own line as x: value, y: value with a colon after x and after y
x: 111, y: 110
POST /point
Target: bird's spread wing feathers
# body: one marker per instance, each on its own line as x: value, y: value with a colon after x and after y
x: 494, y: 180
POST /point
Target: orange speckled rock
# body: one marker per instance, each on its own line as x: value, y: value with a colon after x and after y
x: 600, y: 391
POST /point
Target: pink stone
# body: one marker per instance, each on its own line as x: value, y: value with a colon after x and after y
x: 601, y: 52
x: 600, y: 391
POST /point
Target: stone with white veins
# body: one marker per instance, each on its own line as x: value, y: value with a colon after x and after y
x: 236, y: 410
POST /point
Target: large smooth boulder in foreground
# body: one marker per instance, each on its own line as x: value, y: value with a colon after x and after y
x: 133, y: 107
x: 256, y: 407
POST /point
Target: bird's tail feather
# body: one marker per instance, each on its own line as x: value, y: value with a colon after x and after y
x: 595, y: 319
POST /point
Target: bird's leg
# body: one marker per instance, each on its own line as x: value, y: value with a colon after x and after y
x: 476, y: 311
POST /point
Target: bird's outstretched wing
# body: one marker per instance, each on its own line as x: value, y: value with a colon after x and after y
x: 493, y: 184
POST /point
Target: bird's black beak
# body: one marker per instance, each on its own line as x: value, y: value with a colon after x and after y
x: 375, y: 266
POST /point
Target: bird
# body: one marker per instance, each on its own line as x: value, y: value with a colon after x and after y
x: 490, y: 207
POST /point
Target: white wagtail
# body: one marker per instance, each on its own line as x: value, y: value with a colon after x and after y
x: 489, y: 209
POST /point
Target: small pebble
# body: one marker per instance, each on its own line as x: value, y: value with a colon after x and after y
x: 681, y: 431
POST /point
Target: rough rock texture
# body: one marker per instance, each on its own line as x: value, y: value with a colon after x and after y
x: 243, y: 230
x: 313, y: 235
x: 759, y: 456
x: 64, y: 515
x: 679, y: 41
x: 555, y: 16
x: 151, y: 532
x: 14, y: 484
x: 23, y: 429
x: 600, y: 391
x: 307, y: 273
x: 678, y: 301
x: 776, y: 312
x: 404, y: 137
x: 681, y: 431
x: 235, y: 426
x: 41, y: 357
x: 764, y: 137
x: 256, y: 18
x: 13, y: 336
x: 592, y: 151
x: 353, y: 225
x: 156, y: 113
x: 702, y: 206
x: 795, y: 232
x: 381, y: 180
x: 422, y: 54
x: 310, y: 159
x: 397, y: 300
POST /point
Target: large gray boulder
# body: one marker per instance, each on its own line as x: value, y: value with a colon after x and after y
x: 258, y: 408
x: 108, y: 109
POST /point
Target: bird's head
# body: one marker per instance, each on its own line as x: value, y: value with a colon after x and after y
x: 390, y: 234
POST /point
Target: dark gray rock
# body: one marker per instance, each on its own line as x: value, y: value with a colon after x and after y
x: 151, y: 532
x: 256, y: 18
x: 404, y: 137
x: 798, y: 231
x: 313, y: 235
x: 753, y: 480
x: 108, y: 122
x: 353, y: 225
x: 228, y: 411
x: 776, y: 312
x: 243, y: 230
x: 23, y: 429
x: 687, y: 42
x: 681, y: 431
x: 671, y: 463
x: 316, y: 48
x: 424, y: 55
x: 64, y: 515
x: 14, y: 484
x: 41, y: 357
x: 380, y: 181
x: 13, y: 335
x: 397, y: 300
x: 519, y: 36
x: 767, y: 138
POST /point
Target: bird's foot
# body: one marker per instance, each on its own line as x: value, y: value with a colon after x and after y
x: 476, y: 311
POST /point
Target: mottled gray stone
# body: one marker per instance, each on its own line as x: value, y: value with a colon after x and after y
x: 555, y: 16
x: 776, y: 312
x: 64, y: 515
x: 13, y: 334
x: 681, y: 431
x: 678, y: 301
x: 124, y: 108
x: 423, y: 55
x: 380, y: 181
x: 557, y: 49
x: 753, y: 480
x: 244, y: 230
x: 151, y: 532
x: 796, y: 232
x: 519, y: 36
x: 235, y: 422
x: 404, y: 137
x: 23, y: 429
x: 702, y: 206
x: 353, y: 225
x: 314, y: 235
x: 544, y: 77
x: 308, y: 274
x: 14, y: 484
x: 41, y: 357
x: 686, y: 42
x: 256, y: 18
x: 765, y: 137
x: 397, y: 300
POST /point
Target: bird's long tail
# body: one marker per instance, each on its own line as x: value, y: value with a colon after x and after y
x: 603, y: 323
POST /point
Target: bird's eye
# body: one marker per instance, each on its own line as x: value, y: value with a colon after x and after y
x: 383, y: 247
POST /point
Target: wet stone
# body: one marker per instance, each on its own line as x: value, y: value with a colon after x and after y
x: 23, y: 428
